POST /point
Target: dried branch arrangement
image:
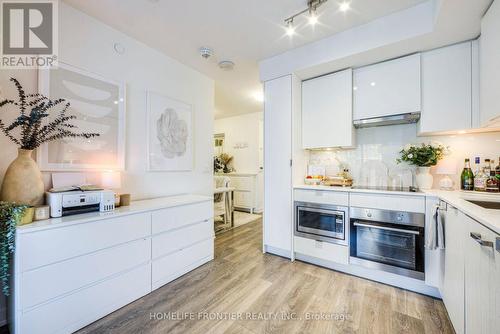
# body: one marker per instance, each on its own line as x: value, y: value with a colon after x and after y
x: 32, y: 128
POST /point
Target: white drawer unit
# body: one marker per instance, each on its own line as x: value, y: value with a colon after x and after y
x: 322, y: 197
x: 173, y: 218
x: 71, y: 271
x: 74, y: 311
x: 322, y: 250
x: 176, y: 240
x: 81, y: 272
x: 50, y: 246
x: 170, y: 267
x: 388, y: 202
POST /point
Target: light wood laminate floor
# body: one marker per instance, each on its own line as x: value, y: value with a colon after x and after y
x: 244, y: 291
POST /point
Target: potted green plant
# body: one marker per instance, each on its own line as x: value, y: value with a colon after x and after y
x: 10, y: 216
x: 40, y: 120
x: 423, y: 156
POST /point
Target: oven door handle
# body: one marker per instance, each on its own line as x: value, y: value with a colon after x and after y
x: 388, y: 228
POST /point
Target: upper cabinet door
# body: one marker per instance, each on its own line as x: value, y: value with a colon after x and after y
x: 490, y: 67
x: 447, y: 89
x: 388, y: 88
x: 327, y: 111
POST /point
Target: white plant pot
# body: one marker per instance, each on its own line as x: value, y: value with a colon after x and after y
x: 424, y: 178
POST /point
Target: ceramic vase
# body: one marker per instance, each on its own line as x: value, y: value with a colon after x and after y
x: 424, y: 178
x: 23, y: 182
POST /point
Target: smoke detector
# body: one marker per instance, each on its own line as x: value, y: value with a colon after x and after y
x: 206, y: 52
x: 226, y: 65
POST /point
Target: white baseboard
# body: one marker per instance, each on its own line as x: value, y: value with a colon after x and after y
x: 277, y: 251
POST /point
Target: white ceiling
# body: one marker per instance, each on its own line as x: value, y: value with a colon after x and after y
x: 240, y: 30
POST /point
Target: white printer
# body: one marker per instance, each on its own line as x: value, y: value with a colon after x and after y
x: 76, y: 202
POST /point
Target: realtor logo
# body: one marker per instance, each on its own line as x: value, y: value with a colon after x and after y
x: 29, y: 34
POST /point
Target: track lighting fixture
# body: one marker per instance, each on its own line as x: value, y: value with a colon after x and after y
x: 290, y: 29
x: 312, y: 6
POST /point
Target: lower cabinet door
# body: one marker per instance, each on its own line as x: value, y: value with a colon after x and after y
x: 172, y: 266
x: 453, y: 281
x: 243, y: 199
x: 482, y: 280
x: 72, y: 312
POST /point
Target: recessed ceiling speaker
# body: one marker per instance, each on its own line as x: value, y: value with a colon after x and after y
x: 206, y: 52
x: 226, y: 65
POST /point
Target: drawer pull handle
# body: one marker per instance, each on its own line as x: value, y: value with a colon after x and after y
x: 477, y: 237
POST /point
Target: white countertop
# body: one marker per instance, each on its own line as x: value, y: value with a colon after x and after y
x: 487, y: 217
x: 134, y: 208
x: 349, y: 189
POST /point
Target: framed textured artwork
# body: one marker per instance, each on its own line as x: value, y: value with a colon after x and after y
x: 170, y: 134
x: 99, y: 107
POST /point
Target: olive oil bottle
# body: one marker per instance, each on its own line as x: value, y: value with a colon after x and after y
x: 467, y: 177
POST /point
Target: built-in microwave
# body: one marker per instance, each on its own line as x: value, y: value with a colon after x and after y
x: 322, y: 222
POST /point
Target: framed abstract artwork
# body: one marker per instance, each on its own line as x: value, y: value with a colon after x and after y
x: 170, y: 134
x: 99, y: 107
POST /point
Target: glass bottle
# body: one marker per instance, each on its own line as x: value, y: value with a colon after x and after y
x: 467, y: 177
x: 497, y: 169
x: 477, y: 168
x: 487, y: 166
x: 492, y: 183
x: 480, y: 180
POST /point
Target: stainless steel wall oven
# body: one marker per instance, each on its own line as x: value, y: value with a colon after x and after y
x: 322, y: 222
x: 388, y: 240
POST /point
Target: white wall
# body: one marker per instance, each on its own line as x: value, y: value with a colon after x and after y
x: 88, y: 44
x: 242, y: 140
x: 378, y: 148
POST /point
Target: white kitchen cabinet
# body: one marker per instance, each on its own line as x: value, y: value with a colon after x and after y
x: 447, y: 89
x: 248, y: 189
x: 277, y: 166
x: 490, y: 66
x: 482, y: 279
x: 452, y: 291
x: 388, y: 88
x: 327, y: 111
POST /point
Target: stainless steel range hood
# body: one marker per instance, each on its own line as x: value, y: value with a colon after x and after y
x: 387, y: 120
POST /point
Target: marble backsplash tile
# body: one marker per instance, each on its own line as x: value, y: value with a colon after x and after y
x: 373, y: 161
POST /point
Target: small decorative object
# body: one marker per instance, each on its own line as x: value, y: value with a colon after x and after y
x: 99, y: 106
x: 111, y: 180
x: 218, y: 165
x: 124, y: 199
x: 27, y: 218
x: 226, y: 161
x: 34, y: 126
x: 42, y: 213
x: 10, y: 216
x: 423, y: 156
x: 446, y: 167
x: 170, y: 137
